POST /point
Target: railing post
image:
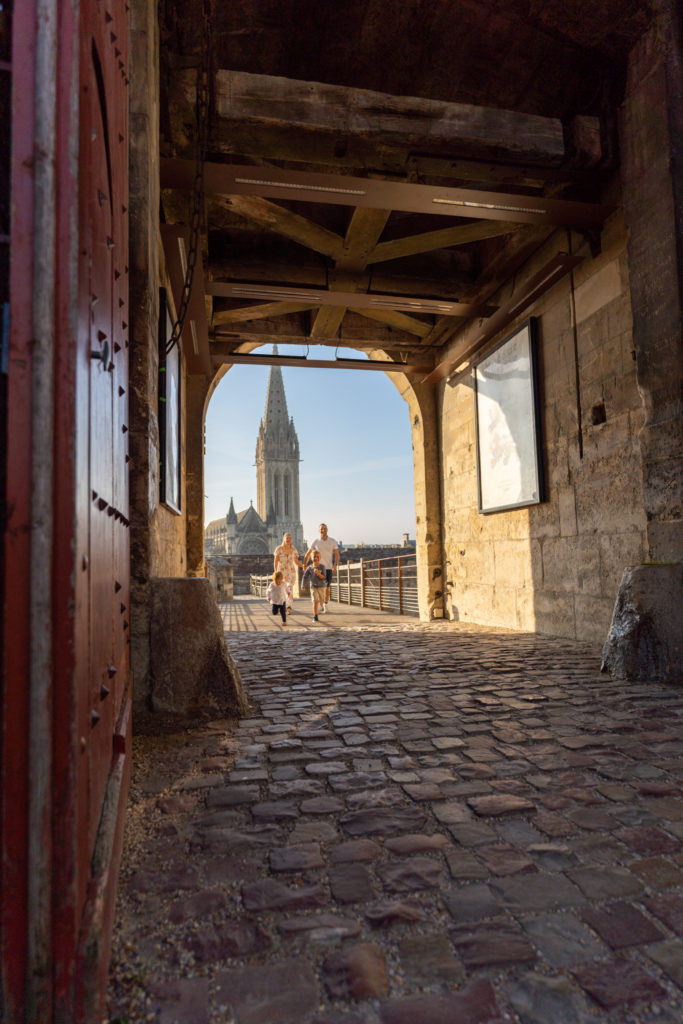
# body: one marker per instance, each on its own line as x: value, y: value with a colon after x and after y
x: 400, y: 585
x: 348, y: 583
x: 379, y: 565
x: 362, y: 583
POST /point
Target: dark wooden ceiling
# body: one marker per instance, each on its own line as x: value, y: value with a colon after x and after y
x: 514, y: 97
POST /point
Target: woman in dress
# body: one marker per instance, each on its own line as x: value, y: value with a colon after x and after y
x: 285, y: 560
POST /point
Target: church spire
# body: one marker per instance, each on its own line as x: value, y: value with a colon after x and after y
x: 275, y: 416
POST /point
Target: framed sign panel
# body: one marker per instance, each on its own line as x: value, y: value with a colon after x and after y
x: 169, y: 410
x: 508, y: 426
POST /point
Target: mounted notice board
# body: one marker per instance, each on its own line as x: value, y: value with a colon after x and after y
x: 508, y: 425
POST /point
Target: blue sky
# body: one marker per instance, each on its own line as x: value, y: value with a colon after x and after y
x: 356, y: 474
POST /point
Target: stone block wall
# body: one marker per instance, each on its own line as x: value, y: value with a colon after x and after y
x: 555, y: 567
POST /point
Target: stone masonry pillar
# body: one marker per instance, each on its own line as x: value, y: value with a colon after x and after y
x: 652, y: 167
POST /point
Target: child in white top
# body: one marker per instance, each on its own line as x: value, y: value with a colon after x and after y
x: 277, y: 595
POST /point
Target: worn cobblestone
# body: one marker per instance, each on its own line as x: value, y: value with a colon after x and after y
x: 434, y: 824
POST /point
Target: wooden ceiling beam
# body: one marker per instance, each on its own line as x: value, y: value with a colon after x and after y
x: 412, y: 122
x: 264, y: 309
x: 275, y: 218
x: 383, y: 194
x: 461, y: 234
x: 385, y: 366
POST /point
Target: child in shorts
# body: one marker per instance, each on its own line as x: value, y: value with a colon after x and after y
x: 277, y: 595
x: 318, y: 577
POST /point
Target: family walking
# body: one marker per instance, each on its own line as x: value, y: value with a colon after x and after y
x: 323, y: 555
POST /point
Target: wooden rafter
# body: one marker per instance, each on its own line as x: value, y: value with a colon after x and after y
x: 284, y: 222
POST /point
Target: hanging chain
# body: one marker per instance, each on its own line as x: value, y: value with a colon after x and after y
x: 202, y: 114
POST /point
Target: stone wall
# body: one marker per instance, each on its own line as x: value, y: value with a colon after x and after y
x: 555, y: 567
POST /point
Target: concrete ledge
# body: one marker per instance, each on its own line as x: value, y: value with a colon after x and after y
x: 645, y: 641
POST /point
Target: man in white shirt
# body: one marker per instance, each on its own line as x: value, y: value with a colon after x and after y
x: 329, y: 556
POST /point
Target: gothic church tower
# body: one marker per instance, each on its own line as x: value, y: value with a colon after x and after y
x: 277, y: 465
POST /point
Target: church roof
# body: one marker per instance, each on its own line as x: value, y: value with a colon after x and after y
x: 231, y: 516
x: 216, y: 522
x: 250, y: 521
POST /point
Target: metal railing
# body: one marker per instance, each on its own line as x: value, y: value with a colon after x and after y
x: 387, y: 584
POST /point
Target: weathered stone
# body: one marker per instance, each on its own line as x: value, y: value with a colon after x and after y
x: 601, y: 883
x: 268, y: 894
x: 621, y: 925
x: 296, y: 858
x: 322, y: 805
x: 383, y: 915
x: 344, y: 927
x: 539, y: 1000
x: 452, y: 812
x: 669, y: 956
x: 427, y: 958
x: 563, y: 939
x: 649, y: 840
x: 645, y: 639
x: 226, y: 870
x: 613, y: 983
x: 411, y: 874
x: 505, y: 860
x: 472, y: 903
x: 199, y: 905
x: 504, y: 803
x: 539, y: 891
x: 190, y: 667
x: 355, y: 849
x: 383, y: 821
x: 231, y: 796
x: 350, y: 883
x: 230, y: 939
x: 359, y: 972
x: 475, y: 1004
x: 490, y: 943
x: 416, y: 843
x: 313, y: 832
x: 182, y: 1001
x: 464, y: 865
x: 282, y: 994
x: 668, y: 907
x: 372, y: 798
x: 274, y: 811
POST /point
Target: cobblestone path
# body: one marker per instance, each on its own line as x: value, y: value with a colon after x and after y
x: 417, y: 824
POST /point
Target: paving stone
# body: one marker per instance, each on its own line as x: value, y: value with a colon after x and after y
x: 618, y: 982
x: 592, y: 818
x: 472, y: 903
x: 229, y: 796
x: 280, y: 994
x: 252, y: 776
x: 322, y: 805
x: 176, y: 804
x: 656, y: 872
x: 540, y: 1000
x: 358, y: 972
x: 355, y: 781
x: 320, y: 925
x: 411, y: 874
x: 669, y: 955
x: 504, y: 803
x: 552, y: 856
x: 313, y: 832
x: 668, y: 907
x: 226, y: 870
x: 199, y: 905
x: 424, y: 791
x: 621, y: 925
x: 383, y: 821
x: 383, y: 915
x: 185, y: 1001
x: 230, y: 939
x: 222, y: 819
x: 429, y: 958
x: 200, y: 782
x: 373, y: 798
x: 562, y: 939
x: 452, y: 812
x: 464, y: 865
x: 505, y: 860
x: 355, y: 850
x: 274, y: 811
x: 296, y: 858
x: 296, y: 789
x: 416, y: 843
x: 475, y: 1004
x: 269, y: 894
x: 649, y: 841
x: 325, y: 768
x: 491, y: 943
x: 602, y: 883
x: 554, y: 825
x: 473, y: 833
x: 350, y: 883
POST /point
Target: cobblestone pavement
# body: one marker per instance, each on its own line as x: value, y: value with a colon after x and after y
x: 417, y: 824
